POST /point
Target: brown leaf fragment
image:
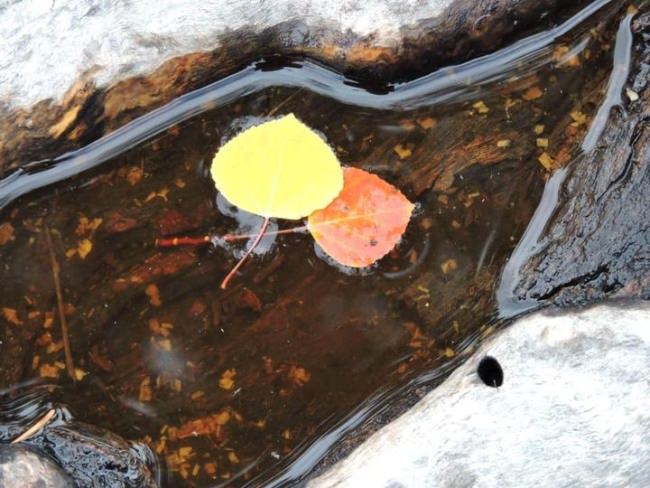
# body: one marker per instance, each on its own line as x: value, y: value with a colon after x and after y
x: 533, y: 93
x: 227, y: 380
x: 146, y: 392
x: 153, y: 293
x: 546, y: 161
x: 134, y: 175
x: 427, y: 123
x: 448, y: 266
x: 418, y: 340
x: 562, y: 55
x: 503, y: 143
x: 578, y: 117
x: 84, y: 247
x: 298, y: 375
x: 210, y: 469
x: 116, y: 223
x: 6, y: 233
x: 402, y: 151
x: 87, y: 226
x: 480, y: 107
x: 49, y: 371
x: 44, y: 339
x: 247, y: 299
x: 210, y: 425
x: 407, y: 124
x: 54, y: 347
x: 157, y: 328
x: 11, y: 316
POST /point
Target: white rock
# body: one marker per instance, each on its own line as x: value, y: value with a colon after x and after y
x: 574, y: 410
x: 51, y: 43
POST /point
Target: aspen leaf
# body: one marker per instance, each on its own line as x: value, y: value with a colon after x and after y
x: 280, y: 168
x: 364, y: 222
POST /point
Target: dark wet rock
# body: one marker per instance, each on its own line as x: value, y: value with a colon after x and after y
x: 95, y: 457
x: 598, y: 240
x: 65, y: 452
x: 26, y: 467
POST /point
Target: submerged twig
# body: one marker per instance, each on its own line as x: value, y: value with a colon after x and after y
x: 206, y: 239
x: 38, y: 425
x: 283, y: 103
x: 59, y: 301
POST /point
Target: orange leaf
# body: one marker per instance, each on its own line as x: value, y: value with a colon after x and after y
x: 364, y: 222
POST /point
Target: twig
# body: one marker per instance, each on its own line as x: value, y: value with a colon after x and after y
x: 282, y: 103
x: 38, y: 425
x: 59, y: 301
x: 206, y: 239
x: 183, y: 241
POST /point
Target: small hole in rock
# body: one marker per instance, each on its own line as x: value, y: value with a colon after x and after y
x: 490, y: 372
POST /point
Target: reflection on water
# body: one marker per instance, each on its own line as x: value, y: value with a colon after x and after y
x: 259, y: 380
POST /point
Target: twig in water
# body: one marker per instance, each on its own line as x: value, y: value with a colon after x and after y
x: 59, y: 301
x: 282, y: 103
x: 38, y: 425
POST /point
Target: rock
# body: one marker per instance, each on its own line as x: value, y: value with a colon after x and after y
x: 96, y: 457
x: 64, y: 452
x: 572, y: 411
x: 26, y: 467
x: 114, y: 62
x: 597, y: 239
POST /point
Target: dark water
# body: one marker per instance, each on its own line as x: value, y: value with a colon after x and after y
x: 258, y: 381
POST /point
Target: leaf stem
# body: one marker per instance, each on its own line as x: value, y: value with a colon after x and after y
x: 257, y: 240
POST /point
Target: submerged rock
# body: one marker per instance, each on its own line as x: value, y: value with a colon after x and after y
x: 63, y: 452
x: 26, y: 467
x: 571, y: 411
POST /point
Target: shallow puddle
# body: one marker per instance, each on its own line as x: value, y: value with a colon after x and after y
x: 231, y: 386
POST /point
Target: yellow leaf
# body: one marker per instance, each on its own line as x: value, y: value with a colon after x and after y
x: 280, y: 168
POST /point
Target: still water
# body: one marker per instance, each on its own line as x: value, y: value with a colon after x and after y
x: 254, y: 383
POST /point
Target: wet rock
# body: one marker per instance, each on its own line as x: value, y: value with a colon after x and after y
x: 63, y: 452
x: 26, y: 467
x: 571, y: 411
x: 598, y: 238
x: 95, y: 457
